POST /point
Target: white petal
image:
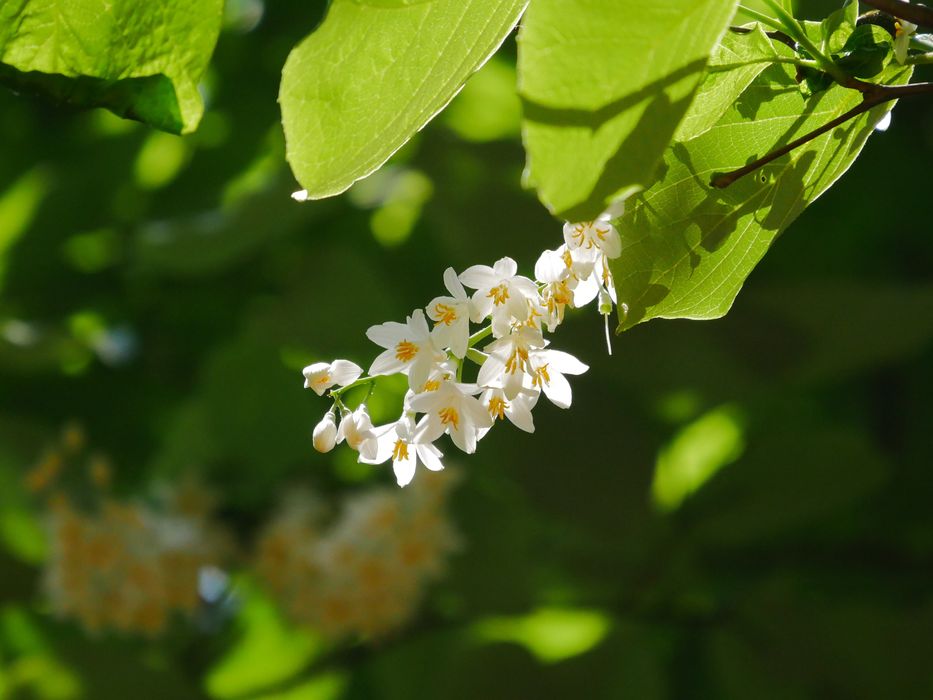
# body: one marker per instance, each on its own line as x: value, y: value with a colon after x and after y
x: 479, y: 277
x: 429, y: 429
x: 585, y: 292
x: 520, y: 414
x: 386, y: 363
x: 505, y: 267
x: 558, y: 390
x: 420, y: 369
x: 563, y: 362
x: 491, y: 371
x: 344, y: 372
x: 464, y: 436
x: 550, y: 267
x: 430, y: 456
x: 453, y: 284
x: 481, y: 306
x: 611, y: 244
x: 405, y: 468
x: 460, y: 336
x: 387, y: 334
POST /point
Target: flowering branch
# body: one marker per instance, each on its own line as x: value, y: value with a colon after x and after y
x: 918, y: 14
x: 515, y: 368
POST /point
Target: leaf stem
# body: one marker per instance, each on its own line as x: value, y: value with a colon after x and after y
x: 480, y: 335
x: 876, y: 95
x: 920, y: 59
x: 800, y: 62
x: 918, y: 14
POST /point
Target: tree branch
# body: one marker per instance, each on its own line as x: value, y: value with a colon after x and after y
x: 876, y: 95
x: 920, y: 15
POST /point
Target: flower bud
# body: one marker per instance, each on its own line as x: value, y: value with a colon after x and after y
x: 325, y: 433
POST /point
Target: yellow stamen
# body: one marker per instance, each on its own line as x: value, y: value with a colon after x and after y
x: 400, y: 451
x: 568, y: 260
x: 541, y: 377
x: 321, y: 380
x: 449, y: 416
x: 431, y: 385
x: 444, y: 314
x: 517, y: 361
x: 499, y: 294
x: 497, y: 407
x: 406, y: 351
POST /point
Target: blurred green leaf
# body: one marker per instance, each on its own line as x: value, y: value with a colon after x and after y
x: 551, y: 634
x: 18, y: 205
x: 374, y: 73
x: 487, y: 108
x: 140, y: 60
x: 695, y: 454
x: 604, y: 87
x: 267, y: 651
x: 688, y: 247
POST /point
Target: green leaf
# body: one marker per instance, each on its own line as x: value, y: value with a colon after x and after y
x: 687, y: 247
x: 140, y: 60
x: 374, y: 73
x: 838, y: 26
x: 735, y: 63
x: 866, y: 51
x: 605, y: 83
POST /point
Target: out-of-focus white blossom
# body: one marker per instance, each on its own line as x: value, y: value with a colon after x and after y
x: 365, y: 573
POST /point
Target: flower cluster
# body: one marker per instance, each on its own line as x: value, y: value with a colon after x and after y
x: 127, y: 566
x: 363, y: 574
x: 515, y: 368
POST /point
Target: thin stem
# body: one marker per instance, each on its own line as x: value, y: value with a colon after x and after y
x: 872, y: 98
x: 480, y: 335
x: 362, y: 381
x: 476, y: 356
x: 761, y: 17
x: 920, y: 15
x: 920, y: 59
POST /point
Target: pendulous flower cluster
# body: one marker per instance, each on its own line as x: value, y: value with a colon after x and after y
x: 516, y: 366
x: 365, y: 573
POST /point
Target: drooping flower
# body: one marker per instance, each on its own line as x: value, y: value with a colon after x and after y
x: 546, y: 369
x: 500, y: 293
x: 409, y: 349
x: 517, y: 409
x: 590, y: 238
x: 451, y: 409
x: 451, y: 316
x: 321, y: 376
x: 903, y: 30
x: 324, y: 436
x: 506, y: 365
x: 357, y: 429
x: 398, y: 444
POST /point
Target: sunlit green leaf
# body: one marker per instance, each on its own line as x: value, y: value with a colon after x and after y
x: 688, y: 247
x: 551, y: 634
x: 373, y: 73
x: 735, y: 63
x: 605, y: 84
x: 141, y: 60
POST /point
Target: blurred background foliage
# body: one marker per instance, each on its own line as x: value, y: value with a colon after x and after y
x: 731, y: 509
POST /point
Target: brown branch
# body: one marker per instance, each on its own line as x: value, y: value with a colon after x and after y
x: 777, y: 36
x: 920, y: 15
x: 876, y: 95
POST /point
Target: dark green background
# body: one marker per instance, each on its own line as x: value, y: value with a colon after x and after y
x: 803, y: 569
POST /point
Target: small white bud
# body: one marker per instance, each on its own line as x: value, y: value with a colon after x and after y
x: 325, y: 433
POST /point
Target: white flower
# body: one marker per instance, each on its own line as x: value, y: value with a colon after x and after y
x: 554, y: 272
x: 451, y: 316
x: 500, y: 292
x: 903, y: 30
x: 546, y: 369
x: 451, y: 409
x: 398, y: 443
x: 590, y: 238
x: 325, y: 433
x: 321, y: 376
x: 357, y: 429
x: 517, y: 409
x: 409, y: 349
x: 506, y: 366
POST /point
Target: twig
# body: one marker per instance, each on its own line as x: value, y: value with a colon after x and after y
x: 920, y: 15
x: 876, y: 95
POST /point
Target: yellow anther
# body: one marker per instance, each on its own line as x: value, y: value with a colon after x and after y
x: 499, y: 294
x: 497, y: 407
x: 400, y: 451
x: 517, y: 361
x: 406, y: 351
x: 431, y: 385
x: 444, y: 314
x: 449, y: 416
x: 541, y: 377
